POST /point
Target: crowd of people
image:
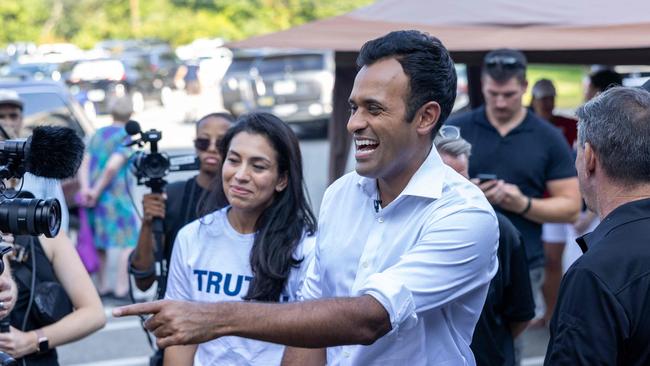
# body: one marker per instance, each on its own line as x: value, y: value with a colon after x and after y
x: 452, y: 236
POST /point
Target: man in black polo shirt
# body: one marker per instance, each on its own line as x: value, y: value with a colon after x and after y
x: 527, y: 154
x: 603, y: 311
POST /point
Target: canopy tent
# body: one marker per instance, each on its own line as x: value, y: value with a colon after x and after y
x: 548, y: 31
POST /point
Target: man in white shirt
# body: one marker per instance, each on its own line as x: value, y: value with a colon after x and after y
x: 406, y: 247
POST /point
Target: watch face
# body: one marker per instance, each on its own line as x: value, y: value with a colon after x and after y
x: 43, y: 345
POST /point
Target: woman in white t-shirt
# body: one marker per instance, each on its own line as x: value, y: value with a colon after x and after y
x: 255, y: 249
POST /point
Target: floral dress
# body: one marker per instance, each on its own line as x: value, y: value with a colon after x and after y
x: 113, y: 219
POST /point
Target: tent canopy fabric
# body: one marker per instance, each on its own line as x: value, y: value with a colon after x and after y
x: 573, y: 30
x: 548, y: 31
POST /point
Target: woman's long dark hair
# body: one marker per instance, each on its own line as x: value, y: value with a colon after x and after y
x: 282, y: 225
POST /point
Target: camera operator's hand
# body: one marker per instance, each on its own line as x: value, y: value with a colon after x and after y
x: 18, y: 343
x: 8, y: 288
x: 153, y: 205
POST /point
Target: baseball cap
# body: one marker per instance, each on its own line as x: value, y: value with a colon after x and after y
x: 8, y: 96
x: 543, y: 88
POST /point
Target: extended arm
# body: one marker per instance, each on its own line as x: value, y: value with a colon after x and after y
x: 311, y: 324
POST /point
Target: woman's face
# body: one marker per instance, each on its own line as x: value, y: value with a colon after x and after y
x: 210, y: 130
x: 250, y: 173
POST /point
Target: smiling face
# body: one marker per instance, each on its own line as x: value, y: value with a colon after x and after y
x: 386, y: 145
x: 250, y: 173
x: 212, y: 129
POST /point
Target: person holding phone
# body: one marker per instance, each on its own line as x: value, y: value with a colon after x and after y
x: 528, y: 155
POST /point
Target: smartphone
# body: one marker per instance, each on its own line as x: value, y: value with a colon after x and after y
x: 484, y: 177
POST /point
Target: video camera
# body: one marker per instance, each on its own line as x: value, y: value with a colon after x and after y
x: 151, y: 168
x: 51, y: 152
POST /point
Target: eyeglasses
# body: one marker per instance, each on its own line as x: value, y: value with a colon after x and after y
x: 202, y: 144
x: 504, y: 61
x: 13, y: 115
x: 449, y: 132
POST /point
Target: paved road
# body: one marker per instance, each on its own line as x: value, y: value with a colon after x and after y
x: 122, y: 342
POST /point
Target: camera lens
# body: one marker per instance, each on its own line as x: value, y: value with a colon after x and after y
x: 24, y: 216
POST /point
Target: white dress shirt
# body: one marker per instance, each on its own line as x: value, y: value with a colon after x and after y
x: 427, y: 257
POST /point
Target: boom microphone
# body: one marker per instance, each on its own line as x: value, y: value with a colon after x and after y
x: 50, y: 152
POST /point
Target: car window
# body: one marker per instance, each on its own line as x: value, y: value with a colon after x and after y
x: 289, y: 63
x: 46, y: 108
x: 240, y: 65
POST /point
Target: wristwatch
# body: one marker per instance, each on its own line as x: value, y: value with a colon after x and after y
x: 43, y: 342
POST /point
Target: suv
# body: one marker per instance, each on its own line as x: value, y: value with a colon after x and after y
x: 296, y: 86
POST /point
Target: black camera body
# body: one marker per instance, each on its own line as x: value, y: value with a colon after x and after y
x: 151, y: 168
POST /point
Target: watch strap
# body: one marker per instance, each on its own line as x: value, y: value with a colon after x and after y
x: 43, y: 342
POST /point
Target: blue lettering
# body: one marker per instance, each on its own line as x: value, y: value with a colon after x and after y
x: 199, y: 276
x: 214, y: 278
x: 226, y: 286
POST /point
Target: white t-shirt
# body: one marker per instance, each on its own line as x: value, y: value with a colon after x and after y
x: 210, y: 263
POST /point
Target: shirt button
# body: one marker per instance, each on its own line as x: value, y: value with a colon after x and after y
x: 364, y: 264
x: 346, y: 354
x: 381, y: 219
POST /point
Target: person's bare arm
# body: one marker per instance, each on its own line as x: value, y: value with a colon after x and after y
x: 516, y: 328
x: 563, y: 205
x: 179, y: 355
x: 310, y: 324
x: 153, y: 205
x: 113, y: 166
x: 294, y: 356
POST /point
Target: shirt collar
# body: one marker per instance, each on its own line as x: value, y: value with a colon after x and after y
x: 480, y: 117
x: 426, y: 182
x: 631, y: 211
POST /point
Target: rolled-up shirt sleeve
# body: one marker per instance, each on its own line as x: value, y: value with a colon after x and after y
x: 455, y: 254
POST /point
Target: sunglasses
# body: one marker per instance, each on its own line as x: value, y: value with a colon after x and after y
x: 203, y: 144
x: 503, y: 61
x: 13, y: 115
x: 448, y: 132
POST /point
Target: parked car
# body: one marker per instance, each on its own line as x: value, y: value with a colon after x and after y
x: 50, y: 103
x: 296, y: 86
x: 99, y: 81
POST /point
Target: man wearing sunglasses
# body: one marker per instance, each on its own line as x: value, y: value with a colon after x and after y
x: 178, y: 205
x: 527, y: 154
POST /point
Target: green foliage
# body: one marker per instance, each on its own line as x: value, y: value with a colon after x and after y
x: 85, y: 22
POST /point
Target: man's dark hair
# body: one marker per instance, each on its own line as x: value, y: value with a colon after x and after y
x: 426, y: 62
x: 223, y: 115
x: 604, y: 79
x: 282, y: 225
x: 504, y: 64
x: 617, y: 126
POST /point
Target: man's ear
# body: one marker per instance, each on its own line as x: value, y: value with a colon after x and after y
x: 427, y: 117
x: 590, y: 157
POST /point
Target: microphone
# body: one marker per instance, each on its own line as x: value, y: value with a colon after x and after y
x: 377, y: 204
x: 132, y: 128
x: 50, y: 152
